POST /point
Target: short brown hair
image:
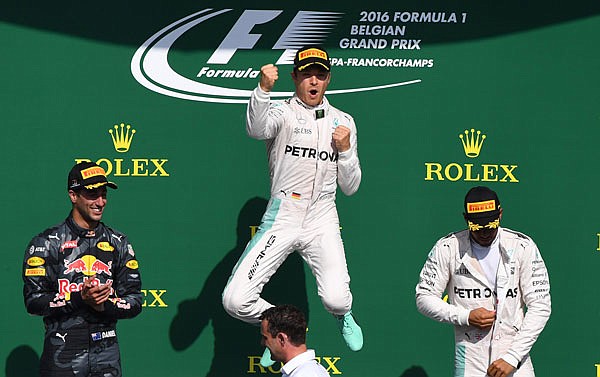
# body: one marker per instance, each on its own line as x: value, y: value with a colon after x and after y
x: 286, y: 319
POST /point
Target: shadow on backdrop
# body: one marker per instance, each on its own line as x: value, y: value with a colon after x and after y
x: 414, y: 371
x: 236, y: 340
x: 23, y: 361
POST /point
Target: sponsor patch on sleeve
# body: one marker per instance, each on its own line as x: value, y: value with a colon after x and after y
x: 35, y: 272
x: 35, y: 261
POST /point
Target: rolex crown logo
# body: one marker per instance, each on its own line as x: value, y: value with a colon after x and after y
x: 122, y: 137
x: 472, y: 142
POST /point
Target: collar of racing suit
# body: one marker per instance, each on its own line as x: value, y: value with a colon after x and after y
x: 82, y: 232
x: 506, y: 250
x: 324, y: 106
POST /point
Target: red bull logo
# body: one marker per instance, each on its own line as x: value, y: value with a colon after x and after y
x: 88, y: 265
x: 99, y: 267
x: 65, y: 287
x: 77, y: 265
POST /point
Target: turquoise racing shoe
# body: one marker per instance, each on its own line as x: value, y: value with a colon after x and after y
x: 351, y: 331
x: 265, y: 360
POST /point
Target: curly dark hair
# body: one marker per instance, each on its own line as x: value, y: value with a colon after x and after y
x: 286, y: 319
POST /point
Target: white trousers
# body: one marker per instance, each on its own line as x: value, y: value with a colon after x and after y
x: 290, y: 225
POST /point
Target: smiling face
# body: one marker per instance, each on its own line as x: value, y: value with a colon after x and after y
x: 88, y: 206
x: 311, y: 84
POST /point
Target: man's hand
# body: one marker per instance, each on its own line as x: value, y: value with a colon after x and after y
x: 341, y: 138
x: 500, y: 368
x: 268, y: 76
x: 482, y: 318
x: 95, y: 295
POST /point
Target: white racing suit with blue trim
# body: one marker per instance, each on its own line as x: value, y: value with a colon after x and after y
x: 522, y: 281
x: 305, y: 169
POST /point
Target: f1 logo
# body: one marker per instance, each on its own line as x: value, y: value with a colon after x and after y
x: 306, y: 28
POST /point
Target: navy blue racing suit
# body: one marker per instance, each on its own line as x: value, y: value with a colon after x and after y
x: 80, y: 340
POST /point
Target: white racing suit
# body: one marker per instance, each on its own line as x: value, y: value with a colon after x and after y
x: 522, y: 281
x: 301, y: 215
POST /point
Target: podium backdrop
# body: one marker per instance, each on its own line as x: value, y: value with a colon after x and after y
x: 519, y: 81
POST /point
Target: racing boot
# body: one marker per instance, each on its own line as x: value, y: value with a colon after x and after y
x: 350, y: 330
x: 266, y: 360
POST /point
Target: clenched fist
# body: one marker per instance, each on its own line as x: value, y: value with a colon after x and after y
x: 268, y: 75
x: 341, y: 138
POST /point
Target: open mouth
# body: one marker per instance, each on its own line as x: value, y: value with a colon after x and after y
x: 313, y: 92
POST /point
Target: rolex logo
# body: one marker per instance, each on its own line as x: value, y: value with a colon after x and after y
x: 471, y: 143
x: 122, y: 137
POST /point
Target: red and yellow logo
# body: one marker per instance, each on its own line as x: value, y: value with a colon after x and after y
x: 312, y: 52
x: 488, y: 205
x: 92, y: 172
x: 133, y: 264
x: 105, y: 246
x: 88, y: 265
x: 35, y: 261
x: 35, y: 272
